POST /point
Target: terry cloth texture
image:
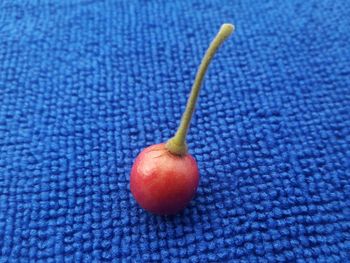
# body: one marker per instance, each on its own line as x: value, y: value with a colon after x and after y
x: 86, y: 85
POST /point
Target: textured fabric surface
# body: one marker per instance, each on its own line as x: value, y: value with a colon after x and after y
x: 85, y: 85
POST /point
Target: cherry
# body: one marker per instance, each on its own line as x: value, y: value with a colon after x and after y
x: 164, y: 177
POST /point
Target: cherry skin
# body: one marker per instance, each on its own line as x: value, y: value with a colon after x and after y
x: 161, y: 182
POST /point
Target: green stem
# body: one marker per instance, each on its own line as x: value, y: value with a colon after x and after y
x: 177, y: 144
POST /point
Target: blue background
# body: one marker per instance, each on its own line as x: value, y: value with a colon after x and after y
x: 85, y: 85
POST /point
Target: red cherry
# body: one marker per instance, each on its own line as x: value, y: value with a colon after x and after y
x: 164, y: 177
x: 161, y: 182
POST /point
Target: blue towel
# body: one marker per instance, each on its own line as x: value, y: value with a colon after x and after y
x: 86, y: 85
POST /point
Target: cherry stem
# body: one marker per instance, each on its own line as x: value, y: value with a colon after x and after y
x: 177, y: 144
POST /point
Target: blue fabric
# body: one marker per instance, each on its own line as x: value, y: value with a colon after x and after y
x: 85, y: 85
